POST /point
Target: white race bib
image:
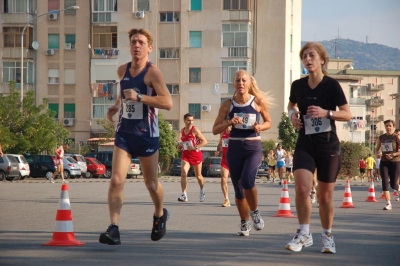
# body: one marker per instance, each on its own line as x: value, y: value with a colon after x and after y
x: 316, y: 125
x: 248, y: 120
x: 187, y: 144
x: 225, y: 143
x: 386, y: 147
x: 132, y: 110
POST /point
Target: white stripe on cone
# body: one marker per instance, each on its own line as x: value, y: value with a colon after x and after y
x: 64, y: 226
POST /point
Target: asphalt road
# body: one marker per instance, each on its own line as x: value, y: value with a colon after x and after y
x: 198, y: 233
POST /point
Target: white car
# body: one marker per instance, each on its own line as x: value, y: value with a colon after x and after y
x: 71, y: 168
x: 81, y: 161
x: 23, y: 166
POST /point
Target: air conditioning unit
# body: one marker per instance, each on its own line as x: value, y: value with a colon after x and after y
x: 50, y: 52
x: 139, y: 14
x: 206, y: 107
x: 68, y: 46
x: 53, y: 16
x: 69, y: 122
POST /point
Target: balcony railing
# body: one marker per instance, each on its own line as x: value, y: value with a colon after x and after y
x: 105, y: 53
x: 240, y: 15
x: 16, y: 18
x: 373, y: 88
x: 375, y: 102
x: 373, y: 134
x: 358, y: 101
x: 238, y: 51
x: 375, y: 119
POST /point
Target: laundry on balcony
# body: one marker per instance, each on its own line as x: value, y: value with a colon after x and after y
x: 105, y: 52
x: 108, y: 89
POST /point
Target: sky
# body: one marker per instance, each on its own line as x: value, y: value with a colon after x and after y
x: 352, y: 19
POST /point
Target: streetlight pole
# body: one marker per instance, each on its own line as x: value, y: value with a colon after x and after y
x: 373, y: 129
x: 22, y: 45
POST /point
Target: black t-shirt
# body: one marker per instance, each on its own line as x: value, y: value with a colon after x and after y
x: 327, y: 95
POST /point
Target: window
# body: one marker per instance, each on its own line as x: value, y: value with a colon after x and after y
x: 195, y: 39
x: 18, y: 6
x: 194, y: 75
x: 229, y: 69
x: 173, y: 89
x: 102, y: 10
x: 69, y: 76
x: 223, y: 99
x: 195, y: 5
x: 100, y: 107
x: 168, y: 53
x: 54, y: 76
x: 142, y: 5
x: 105, y: 37
x: 235, y: 35
x: 54, y: 41
x: 54, y: 107
x: 12, y: 71
x: 69, y: 42
x: 291, y: 42
x: 170, y: 16
x: 389, y: 111
x: 236, y: 5
x: 54, y: 6
x: 68, y: 3
x: 174, y: 124
x: 194, y: 109
x: 12, y: 36
x: 69, y: 110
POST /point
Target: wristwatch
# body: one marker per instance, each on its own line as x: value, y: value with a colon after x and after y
x: 139, y: 97
x: 330, y: 114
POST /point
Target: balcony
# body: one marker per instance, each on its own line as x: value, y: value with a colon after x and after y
x: 373, y: 134
x: 357, y: 101
x: 374, y: 102
x: 244, y: 15
x: 373, y: 88
x: 239, y: 52
x: 375, y: 119
x: 105, y: 53
x: 15, y: 52
x: 16, y: 18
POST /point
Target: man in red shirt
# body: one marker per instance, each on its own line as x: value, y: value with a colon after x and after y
x: 362, y: 169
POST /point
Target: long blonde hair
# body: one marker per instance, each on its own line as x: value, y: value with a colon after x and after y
x: 255, y: 90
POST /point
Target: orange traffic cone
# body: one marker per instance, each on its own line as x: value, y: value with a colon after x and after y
x: 64, y: 235
x: 347, y: 200
x: 284, y: 203
x: 371, y: 192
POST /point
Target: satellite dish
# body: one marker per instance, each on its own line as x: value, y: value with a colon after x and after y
x: 35, y: 45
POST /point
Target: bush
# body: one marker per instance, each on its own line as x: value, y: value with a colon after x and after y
x: 351, y: 154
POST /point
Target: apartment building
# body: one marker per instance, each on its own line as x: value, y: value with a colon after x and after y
x: 373, y: 98
x: 198, y: 45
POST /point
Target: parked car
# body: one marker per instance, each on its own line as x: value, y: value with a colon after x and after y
x: 263, y: 169
x: 105, y: 157
x: 81, y: 161
x: 134, y: 169
x: 137, y: 161
x: 41, y: 165
x: 23, y: 166
x: 175, y: 168
x: 94, y: 168
x: 71, y: 168
x: 211, y: 166
x: 9, y: 168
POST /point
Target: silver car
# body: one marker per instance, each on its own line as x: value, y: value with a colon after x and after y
x: 71, y: 168
x: 24, y: 170
x: 81, y: 161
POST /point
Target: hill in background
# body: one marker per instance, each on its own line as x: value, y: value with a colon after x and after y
x: 366, y: 56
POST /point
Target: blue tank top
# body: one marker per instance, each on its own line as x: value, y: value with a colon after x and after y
x: 249, y: 115
x: 137, y: 118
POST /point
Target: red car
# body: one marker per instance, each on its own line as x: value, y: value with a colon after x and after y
x: 94, y: 168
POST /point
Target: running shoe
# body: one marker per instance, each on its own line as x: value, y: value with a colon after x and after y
x: 226, y: 203
x: 280, y: 183
x: 51, y: 180
x: 258, y: 222
x: 202, y: 195
x: 312, y: 196
x: 245, y: 227
x: 273, y: 180
x: 328, y: 245
x: 299, y: 241
x: 111, y: 236
x: 65, y: 182
x: 398, y: 196
x: 159, y: 226
x: 183, y: 198
x: 388, y: 207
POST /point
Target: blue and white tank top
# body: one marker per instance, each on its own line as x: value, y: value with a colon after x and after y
x: 249, y: 115
x: 137, y: 118
x: 279, y: 155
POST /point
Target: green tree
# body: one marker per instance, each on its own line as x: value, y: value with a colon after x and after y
x: 26, y: 127
x: 268, y: 145
x: 351, y: 154
x: 108, y: 126
x: 168, y: 148
x: 287, y: 133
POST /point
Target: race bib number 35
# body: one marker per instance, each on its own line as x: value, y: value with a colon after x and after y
x: 132, y: 110
x: 316, y: 125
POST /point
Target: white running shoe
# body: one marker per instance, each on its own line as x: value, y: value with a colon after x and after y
x: 244, y: 229
x: 312, y: 196
x: 388, y: 207
x: 183, y: 198
x: 328, y: 245
x: 299, y: 241
x: 202, y: 195
x: 258, y: 222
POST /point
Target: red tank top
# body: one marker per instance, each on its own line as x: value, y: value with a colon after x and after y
x: 189, y: 139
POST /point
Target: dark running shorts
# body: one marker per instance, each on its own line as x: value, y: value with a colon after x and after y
x: 136, y: 146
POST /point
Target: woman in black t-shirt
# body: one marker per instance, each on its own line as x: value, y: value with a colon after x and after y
x: 312, y: 109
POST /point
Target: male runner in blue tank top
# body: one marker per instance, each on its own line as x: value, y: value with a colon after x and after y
x: 143, y: 91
